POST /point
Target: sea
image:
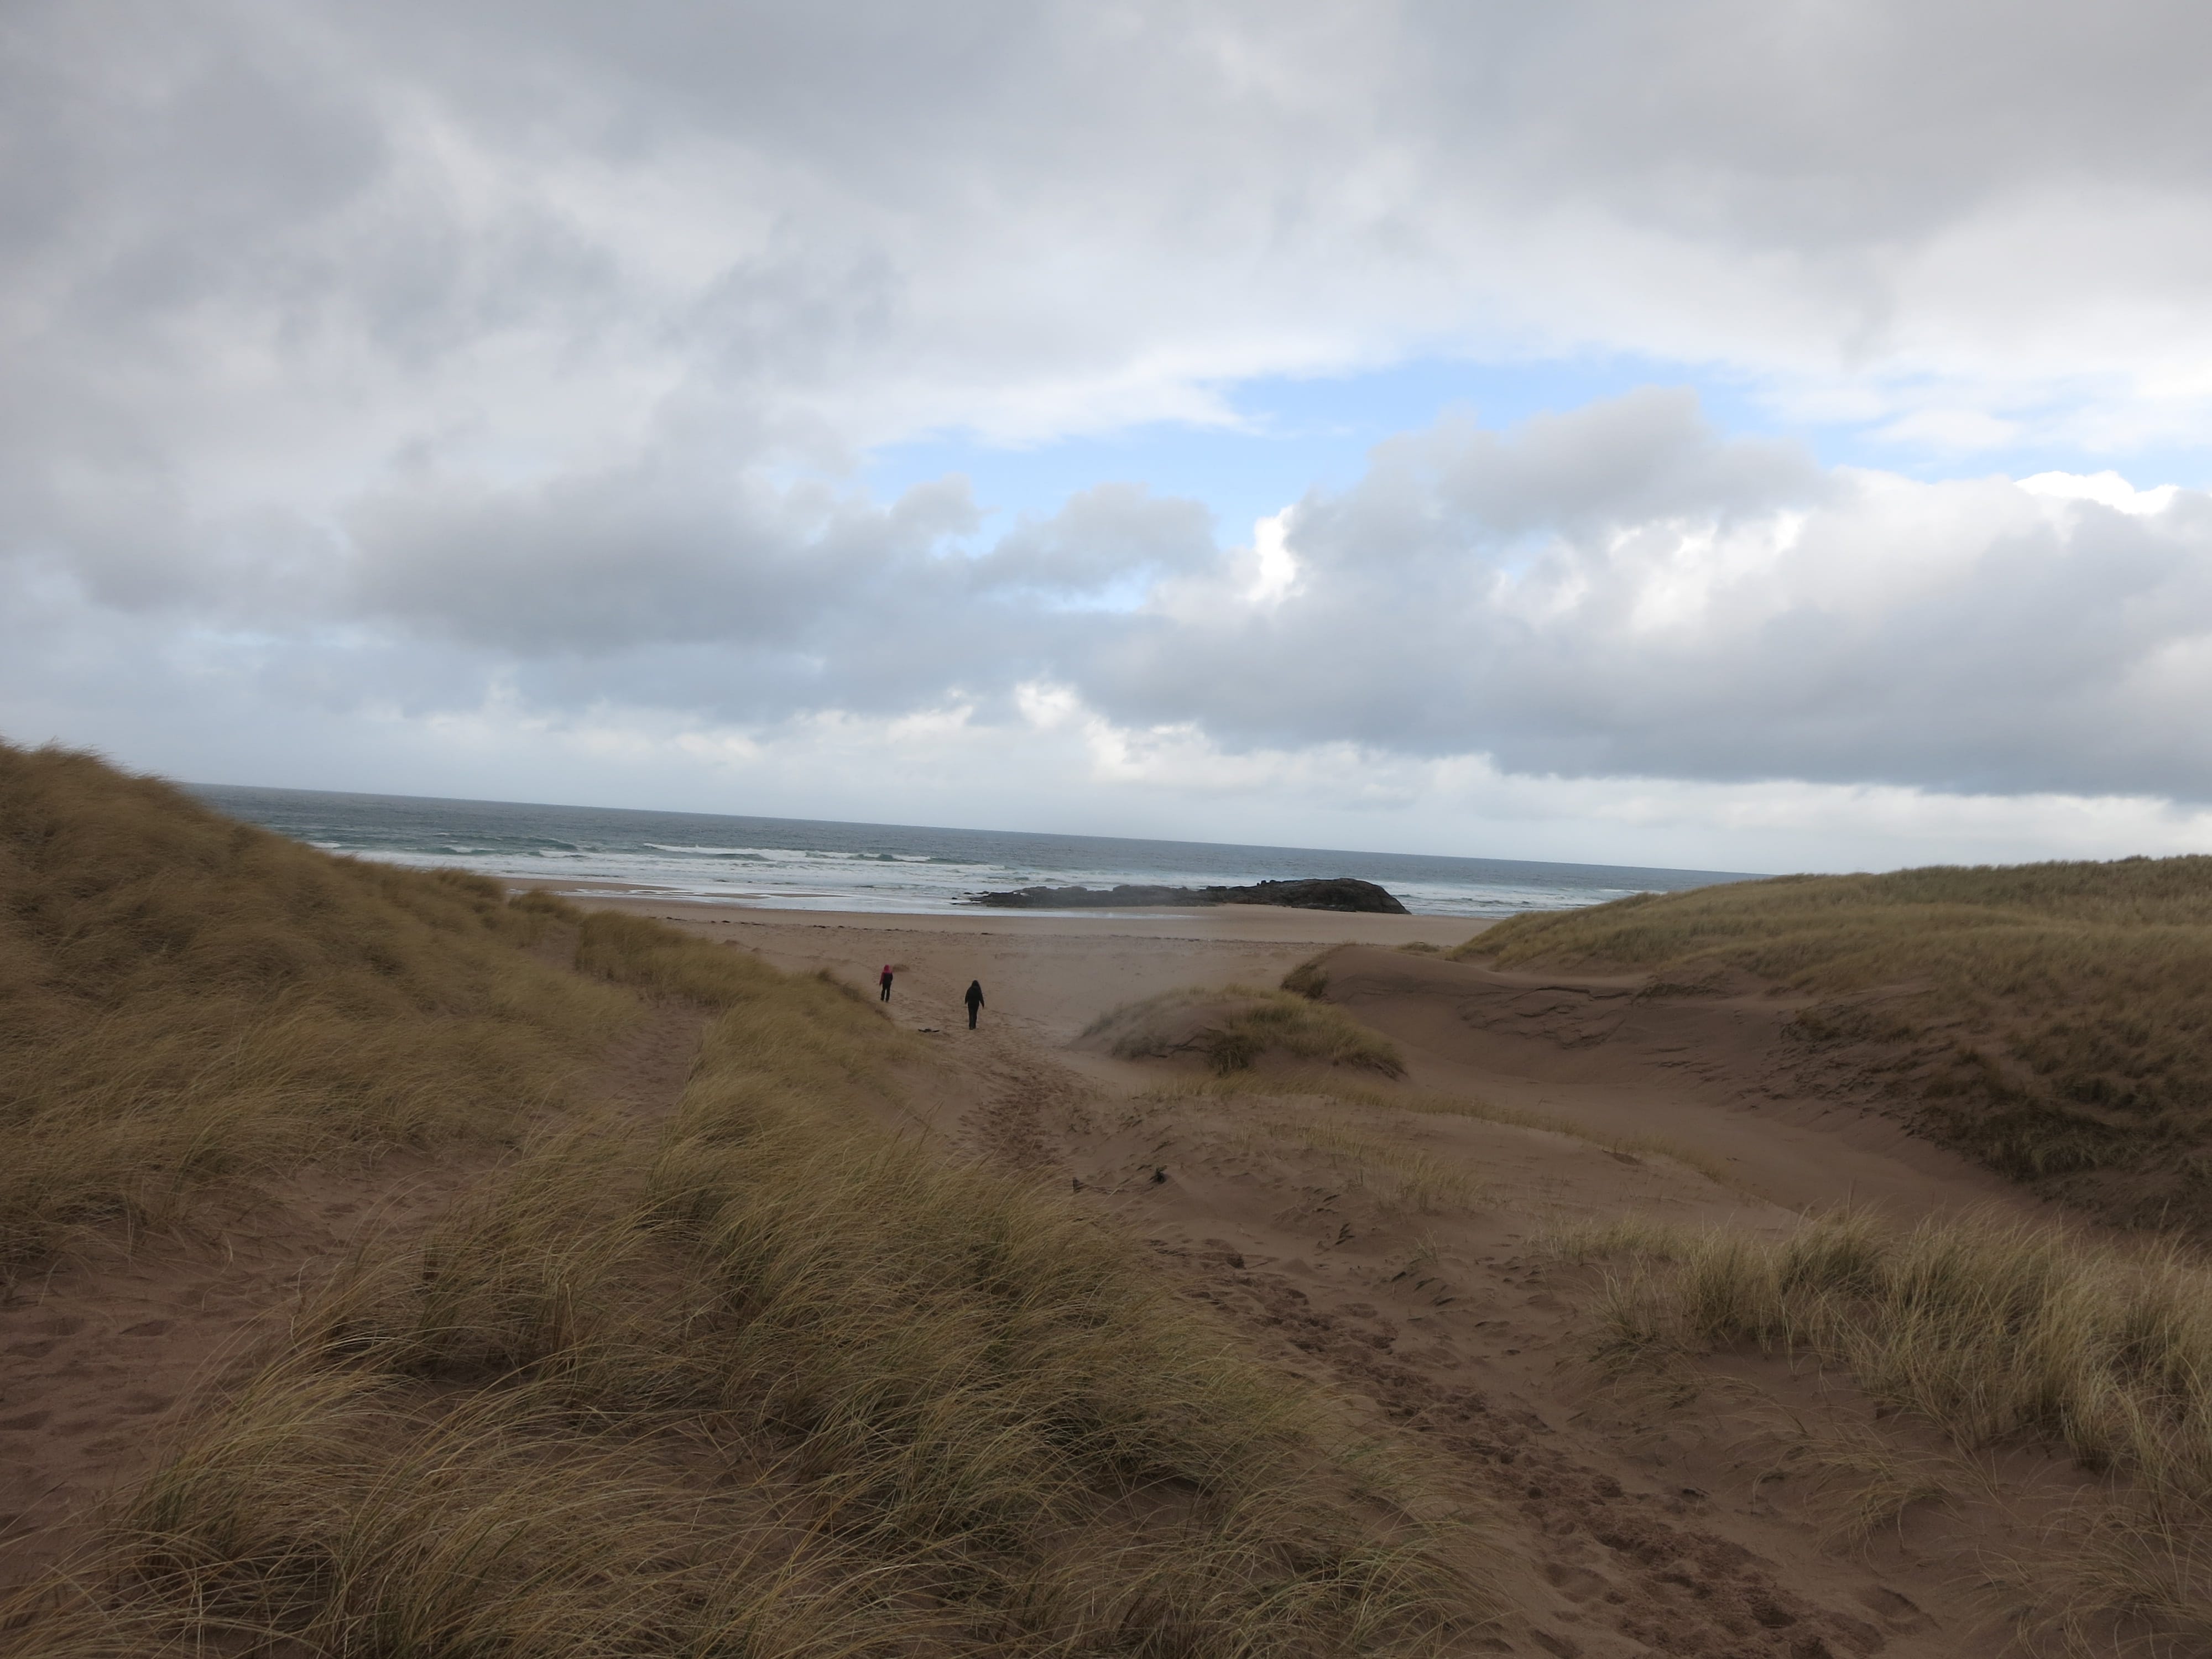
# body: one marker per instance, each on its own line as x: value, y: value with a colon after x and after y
x: 799, y: 864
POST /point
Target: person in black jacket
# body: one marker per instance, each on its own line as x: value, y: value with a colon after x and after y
x: 974, y: 1000
x: 886, y: 982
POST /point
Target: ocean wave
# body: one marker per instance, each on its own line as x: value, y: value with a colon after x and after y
x: 877, y: 867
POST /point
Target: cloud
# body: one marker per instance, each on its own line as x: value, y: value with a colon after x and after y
x: 1622, y: 591
x: 407, y: 362
x: 299, y: 238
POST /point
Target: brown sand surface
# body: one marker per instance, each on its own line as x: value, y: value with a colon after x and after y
x: 1385, y: 1239
x: 1715, y: 1077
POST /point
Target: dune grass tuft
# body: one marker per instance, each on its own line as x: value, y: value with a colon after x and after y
x: 2055, y: 1019
x: 1998, y: 1332
x: 1398, y: 1177
x: 185, y: 999
x: 761, y: 1380
x: 1995, y: 1330
x: 1233, y: 1026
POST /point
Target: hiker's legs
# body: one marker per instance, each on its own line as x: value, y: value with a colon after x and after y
x: 972, y: 1019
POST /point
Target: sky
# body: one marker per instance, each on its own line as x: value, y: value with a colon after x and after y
x: 1744, y: 435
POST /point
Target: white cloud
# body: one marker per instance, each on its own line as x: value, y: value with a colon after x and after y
x: 2105, y: 489
x: 1274, y: 567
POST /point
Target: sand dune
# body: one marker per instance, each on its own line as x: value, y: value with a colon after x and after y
x: 1401, y: 1241
x: 1718, y: 1076
x: 1428, y: 1248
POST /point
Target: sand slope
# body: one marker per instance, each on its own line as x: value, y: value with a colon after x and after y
x: 1714, y: 1073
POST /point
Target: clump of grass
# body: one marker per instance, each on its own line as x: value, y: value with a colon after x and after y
x: 1400, y: 1176
x: 1233, y: 1026
x: 2055, y: 1019
x: 185, y: 999
x: 764, y: 1381
x: 1998, y: 1333
x: 1995, y: 1331
x: 1870, y: 1483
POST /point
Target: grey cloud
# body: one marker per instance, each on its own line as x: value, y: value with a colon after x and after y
x: 1108, y: 536
x: 1624, y: 461
x: 292, y: 294
x: 1867, y: 629
x: 1620, y: 589
x: 594, y: 563
x: 981, y: 198
x: 771, y: 598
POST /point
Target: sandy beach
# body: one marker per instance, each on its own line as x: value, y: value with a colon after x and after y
x: 1047, y: 974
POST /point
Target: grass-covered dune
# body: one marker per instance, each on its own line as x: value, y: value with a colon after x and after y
x: 2055, y: 1019
x: 754, y: 1378
x: 187, y: 999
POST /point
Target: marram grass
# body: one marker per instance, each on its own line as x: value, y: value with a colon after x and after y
x: 2000, y: 1332
x: 187, y: 1000
x: 1233, y: 1026
x: 762, y: 1381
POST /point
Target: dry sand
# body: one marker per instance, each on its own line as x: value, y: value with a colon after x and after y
x: 1387, y: 1239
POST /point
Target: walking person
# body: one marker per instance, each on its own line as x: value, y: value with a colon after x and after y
x: 887, y: 983
x: 974, y: 1000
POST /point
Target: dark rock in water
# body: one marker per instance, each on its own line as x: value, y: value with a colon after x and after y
x: 1329, y: 893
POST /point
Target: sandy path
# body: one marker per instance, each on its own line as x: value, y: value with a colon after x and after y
x: 102, y: 1358
x: 1681, y: 1515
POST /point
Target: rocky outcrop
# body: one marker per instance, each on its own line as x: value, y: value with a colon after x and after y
x: 1327, y: 893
